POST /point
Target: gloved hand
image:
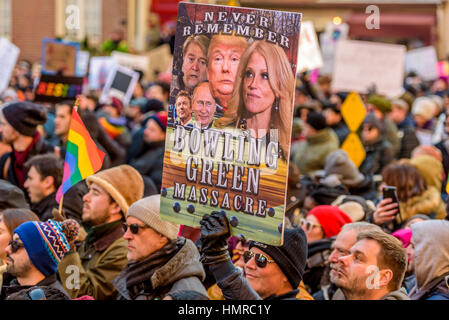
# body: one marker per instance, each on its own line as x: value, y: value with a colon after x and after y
x: 214, y: 238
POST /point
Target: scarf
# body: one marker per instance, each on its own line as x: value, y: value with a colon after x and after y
x: 139, y: 273
x: 21, y: 157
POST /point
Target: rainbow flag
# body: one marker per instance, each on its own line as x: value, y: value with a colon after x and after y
x: 82, y: 157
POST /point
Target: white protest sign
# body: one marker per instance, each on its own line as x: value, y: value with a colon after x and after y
x: 309, y: 54
x: 99, y: 69
x: 120, y: 84
x: 131, y: 61
x: 422, y: 61
x: 328, y: 42
x: 9, y: 53
x: 361, y: 64
x: 82, y: 63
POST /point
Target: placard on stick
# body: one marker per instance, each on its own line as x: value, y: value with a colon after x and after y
x: 120, y: 84
x: 59, y: 57
x: 225, y: 163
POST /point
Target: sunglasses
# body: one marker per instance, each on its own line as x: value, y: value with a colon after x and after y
x: 308, y: 225
x: 15, y: 245
x: 134, y: 228
x: 260, y: 259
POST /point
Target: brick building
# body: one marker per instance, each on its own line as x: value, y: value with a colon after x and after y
x: 26, y: 22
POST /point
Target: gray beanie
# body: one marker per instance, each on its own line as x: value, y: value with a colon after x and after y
x: 147, y: 211
x: 338, y: 163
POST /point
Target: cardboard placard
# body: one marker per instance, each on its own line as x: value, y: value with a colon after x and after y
x: 131, y: 61
x: 217, y: 163
x: 120, y: 84
x: 8, y: 57
x: 423, y: 61
x: 59, y: 57
x: 361, y: 64
x: 309, y: 53
x: 54, y: 89
x: 99, y: 68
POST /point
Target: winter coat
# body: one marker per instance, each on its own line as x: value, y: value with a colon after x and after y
x: 408, y: 138
x: 99, y: 259
x: 430, y: 239
x: 44, y: 208
x: 400, y: 294
x: 341, y: 130
x: 430, y: 168
x: 391, y: 135
x: 311, y: 154
x: 51, y: 287
x: 7, y: 160
x: 183, y: 271
x: 428, y: 203
x: 378, y: 156
x: 150, y: 162
x: 235, y: 287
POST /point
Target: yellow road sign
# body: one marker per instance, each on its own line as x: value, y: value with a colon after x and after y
x: 353, y: 146
x: 353, y: 111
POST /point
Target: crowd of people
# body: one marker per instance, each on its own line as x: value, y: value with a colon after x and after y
x: 343, y: 238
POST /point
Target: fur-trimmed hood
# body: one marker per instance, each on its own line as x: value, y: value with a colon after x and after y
x: 427, y: 203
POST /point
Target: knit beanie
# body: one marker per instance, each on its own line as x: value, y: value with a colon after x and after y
x: 123, y: 183
x: 331, y: 219
x: 404, y: 235
x: 374, y: 121
x: 147, y: 211
x: 291, y: 256
x: 324, y: 194
x: 47, y: 242
x: 424, y: 107
x: 338, y: 162
x: 161, y: 119
x: 381, y: 104
x: 316, y: 120
x: 24, y: 117
x: 152, y: 105
x: 401, y: 104
x: 356, y: 207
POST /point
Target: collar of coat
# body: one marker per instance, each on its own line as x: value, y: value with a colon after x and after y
x: 104, y: 235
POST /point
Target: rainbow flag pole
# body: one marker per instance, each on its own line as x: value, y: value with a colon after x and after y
x: 82, y: 157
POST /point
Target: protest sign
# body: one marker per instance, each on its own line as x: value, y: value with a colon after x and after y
x: 99, y: 69
x: 328, y: 42
x: 443, y: 69
x: 59, y: 57
x: 120, y: 84
x: 131, y: 61
x: 422, y: 61
x: 360, y: 65
x: 55, y: 88
x: 159, y: 59
x: 309, y: 54
x: 233, y: 163
x: 8, y: 57
x: 82, y: 63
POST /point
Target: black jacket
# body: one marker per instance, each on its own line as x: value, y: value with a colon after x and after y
x: 44, y: 208
x: 151, y: 161
x: 41, y: 147
x: 235, y: 287
x: 51, y: 287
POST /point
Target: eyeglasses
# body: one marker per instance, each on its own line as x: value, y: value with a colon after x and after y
x: 308, y: 225
x: 134, y: 228
x: 260, y: 259
x: 15, y: 245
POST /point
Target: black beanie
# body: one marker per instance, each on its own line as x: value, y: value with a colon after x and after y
x: 24, y: 117
x: 316, y: 120
x: 291, y: 257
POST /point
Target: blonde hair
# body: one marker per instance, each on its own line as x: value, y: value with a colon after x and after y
x: 282, y: 83
x: 230, y: 40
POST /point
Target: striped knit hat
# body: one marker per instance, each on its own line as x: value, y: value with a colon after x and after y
x: 47, y: 242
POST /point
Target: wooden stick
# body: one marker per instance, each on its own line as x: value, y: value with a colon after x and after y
x: 60, y: 207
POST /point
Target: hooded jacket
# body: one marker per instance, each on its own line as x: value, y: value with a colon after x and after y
x: 183, y: 271
x: 430, y: 239
x: 430, y: 168
x: 311, y: 155
x: 428, y: 203
x: 400, y: 294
